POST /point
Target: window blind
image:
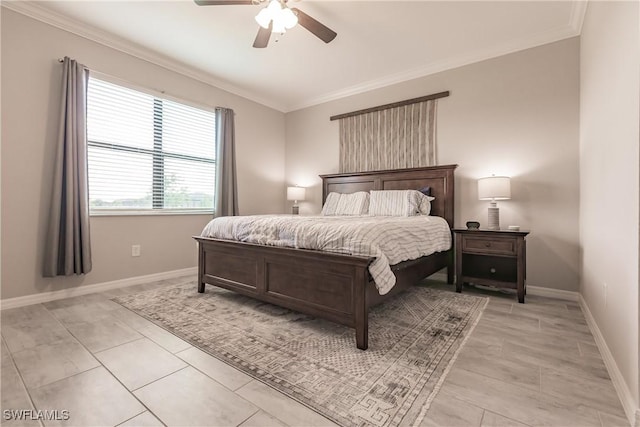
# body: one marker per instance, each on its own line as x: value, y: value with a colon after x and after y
x: 148, y: 154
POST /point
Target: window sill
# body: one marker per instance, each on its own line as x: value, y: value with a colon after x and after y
x: 147, y: 212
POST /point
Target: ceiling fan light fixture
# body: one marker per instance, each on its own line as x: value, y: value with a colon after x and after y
x: 279, y: 14
x: 263, y: 18
x: 289, y: 18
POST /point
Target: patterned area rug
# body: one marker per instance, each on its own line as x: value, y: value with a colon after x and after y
x: 413, y: 340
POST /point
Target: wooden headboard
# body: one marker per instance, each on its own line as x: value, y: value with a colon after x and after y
x: 439, y: 178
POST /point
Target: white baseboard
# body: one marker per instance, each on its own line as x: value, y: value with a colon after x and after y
x: 624, y: 394
x: 531, y: 290
x: 89, y: 289
x: 553, y: 293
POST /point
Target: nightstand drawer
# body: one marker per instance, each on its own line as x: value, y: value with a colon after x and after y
x: 489, y: 246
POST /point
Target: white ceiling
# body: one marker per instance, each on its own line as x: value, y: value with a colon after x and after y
x: 378, y: 42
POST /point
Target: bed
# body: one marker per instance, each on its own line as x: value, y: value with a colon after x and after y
x: 332, y: 286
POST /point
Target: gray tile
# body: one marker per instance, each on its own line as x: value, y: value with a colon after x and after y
x: 588, y: 349
x: 281, y: 406
x: 190, y: 398
x: 609, y: 420
x: 93, y: 398
x: 139, y: 362
x: 146, y: 419
x: 506, y: 340
x: 574, y: 308
x: 117, y: 292
x: 28, y: 327
x: 540, y: 341
x: 47, y: 363
x: 35, y: 313
x: 540, y: 300
x: 490, y: 341
x: 518, y: 403
x: 103, y: 334
x: 226, y: 375
x: 4, y: 351
x: 594, y: 392
x: 447, y: 411
x: 584, y: 367
x: 566, y: 328
x: 131, y: 319
x: 549, y: 312
x: 94, y: 310
x: 79, y: 300
x: 491, y: 419
x: 511, y: 321
x: 262, y: 419
x: 499, y: 307
x: 13, y: 393
x: 164, y: 338
x: 515, y: 372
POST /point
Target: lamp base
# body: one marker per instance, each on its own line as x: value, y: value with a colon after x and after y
x: 494, y: 217
x: 295, y: 210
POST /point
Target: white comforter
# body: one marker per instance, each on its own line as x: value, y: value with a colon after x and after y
x: 389, y: 239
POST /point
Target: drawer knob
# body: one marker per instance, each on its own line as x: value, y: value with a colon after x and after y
x: 487, y: 244
x: 492, y: 270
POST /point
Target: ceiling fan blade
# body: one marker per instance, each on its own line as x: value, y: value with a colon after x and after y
x: 222, y: 2
x: 321, y: 31
x: 262, y: 39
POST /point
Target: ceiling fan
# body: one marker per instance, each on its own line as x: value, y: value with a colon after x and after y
x: 277, y: 17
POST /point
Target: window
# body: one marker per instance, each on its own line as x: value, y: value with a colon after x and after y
x: 148, y: 154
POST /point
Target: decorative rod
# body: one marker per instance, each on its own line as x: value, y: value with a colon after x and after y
x: 393, y: 105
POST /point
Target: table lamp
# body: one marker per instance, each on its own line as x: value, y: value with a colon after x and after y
x: 494, y: 188
x: 295, y: 194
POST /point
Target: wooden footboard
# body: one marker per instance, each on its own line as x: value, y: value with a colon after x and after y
x: 325, y: 285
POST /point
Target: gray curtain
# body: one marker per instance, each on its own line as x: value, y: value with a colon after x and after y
x: 394, y: 138
x: 226, y: 196
x: 68, y: 248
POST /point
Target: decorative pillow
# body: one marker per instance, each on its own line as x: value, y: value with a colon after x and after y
x: 425, y: 204
x: 399, y: 203
x: 346, y: 204
x: 331, y: 204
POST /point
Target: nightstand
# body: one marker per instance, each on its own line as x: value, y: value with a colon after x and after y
x: 491, y: 257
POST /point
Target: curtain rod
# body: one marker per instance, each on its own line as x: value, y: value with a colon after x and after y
x: 392, y: 105
x: 159, y: 92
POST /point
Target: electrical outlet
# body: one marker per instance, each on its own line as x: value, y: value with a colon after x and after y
x: 606, y: 289
x: 135, y: 250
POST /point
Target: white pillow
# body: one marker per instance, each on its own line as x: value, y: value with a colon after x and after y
x: 331, y: 204
x: 346, y: 204
x: 399, y: 203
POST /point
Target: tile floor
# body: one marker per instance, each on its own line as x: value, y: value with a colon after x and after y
x: 532, y: 364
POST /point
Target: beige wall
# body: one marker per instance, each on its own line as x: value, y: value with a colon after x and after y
x: 30, y: 97
x: 515, y: 115
x: 609, y: 196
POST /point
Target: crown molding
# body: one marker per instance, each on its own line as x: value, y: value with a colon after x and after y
x: 88, y: 32
x: 40, y: 13
x: 578, y: 11
x: 459, y: 61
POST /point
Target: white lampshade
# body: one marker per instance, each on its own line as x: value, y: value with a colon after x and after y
x: 494, y: 188
x: 296, y: 193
